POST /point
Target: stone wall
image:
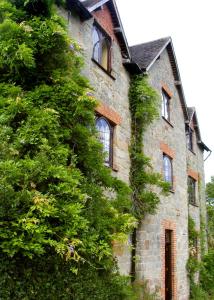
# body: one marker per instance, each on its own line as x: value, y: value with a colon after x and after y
x: 112, y: 94
x: 172, y: 212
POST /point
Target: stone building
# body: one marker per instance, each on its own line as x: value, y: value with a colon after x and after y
x: 173, y: 141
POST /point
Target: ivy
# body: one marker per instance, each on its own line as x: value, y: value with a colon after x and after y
x: 60, y: 207
x: 193, y: 264
x: 144, y: 104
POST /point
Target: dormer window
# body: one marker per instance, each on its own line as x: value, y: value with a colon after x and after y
x: 101, y: 49
x: 165, y: 106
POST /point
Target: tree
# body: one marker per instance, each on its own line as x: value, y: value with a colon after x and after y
x: 57, y: 217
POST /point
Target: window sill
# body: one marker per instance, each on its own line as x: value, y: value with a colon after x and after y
x: 112, y: 167
x: 194, y: 204
x: 115, y: 168
x: 168, y: 122
x: 104, y: 70
x: 192, y: 151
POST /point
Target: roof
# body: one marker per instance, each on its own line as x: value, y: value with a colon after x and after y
x: 145, y: 54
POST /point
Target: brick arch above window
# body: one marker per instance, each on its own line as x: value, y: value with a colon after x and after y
x: 193, y: 174
x: 166, y: 89
x: 109, y: 113
x: 167, y: 150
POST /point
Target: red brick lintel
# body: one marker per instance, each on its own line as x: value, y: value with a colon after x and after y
x: 109, y: 113
x: 167, y: 150
x: 166, y: 89
x: 193, y: 174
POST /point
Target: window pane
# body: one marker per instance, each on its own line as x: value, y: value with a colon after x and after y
x: 96, y: 45
x: 101, y: 48
x: 165, y: 106
x: 167, y: 165
x: 191, y: 190
x: 105, y: 53
x: 190, y: 139
x: 104, y: 131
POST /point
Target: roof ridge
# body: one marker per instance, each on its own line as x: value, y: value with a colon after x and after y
x: 168, y: 38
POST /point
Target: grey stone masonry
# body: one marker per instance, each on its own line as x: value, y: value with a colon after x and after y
x: 114, y: 94
x: 174, y: 207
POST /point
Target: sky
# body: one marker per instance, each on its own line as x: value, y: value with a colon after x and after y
x: 190, y: 23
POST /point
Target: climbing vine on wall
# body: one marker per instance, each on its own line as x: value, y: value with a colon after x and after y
x: 144, y: 107
x: 57, y: 221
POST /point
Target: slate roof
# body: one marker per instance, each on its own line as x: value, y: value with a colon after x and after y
x: 145, y: 54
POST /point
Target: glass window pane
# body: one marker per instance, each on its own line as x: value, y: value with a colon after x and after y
x: 165, y: 106
x: 191, y: 190
x: 101, y: 48
x: 96, y: 45
x: 105, y: 53
x: 104, y: 131
x: 167, y: 165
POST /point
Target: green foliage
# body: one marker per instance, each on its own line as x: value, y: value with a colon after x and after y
x: 203, y: 236
x: 207, y: 272
x: 60, y: 207
x: 193, y: 233
x: 204, y: 288
x: 51, y: 279
x: 210, y: 188
x: 143, y: 105
x: 193, y: 265
x: 210, y: 212
x: 142, y: 291
x: 197, y: 293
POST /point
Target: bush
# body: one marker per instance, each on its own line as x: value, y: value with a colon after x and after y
x: 207, y: 272
x: 197, y: 293
x: 52, y: 280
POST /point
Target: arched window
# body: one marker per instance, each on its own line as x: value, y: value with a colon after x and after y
x: 101, y: 48
x: 167, y: 167
x: 105, y: 136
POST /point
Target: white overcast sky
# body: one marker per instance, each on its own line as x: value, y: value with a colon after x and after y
x: 190, y: 23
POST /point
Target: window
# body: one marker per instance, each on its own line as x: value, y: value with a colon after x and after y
x: 167, y: 168
x: 165, y: 105
x: 105, y: 131
x: 189, y: 134
x: 101, y: 49
x: 191, y: 190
